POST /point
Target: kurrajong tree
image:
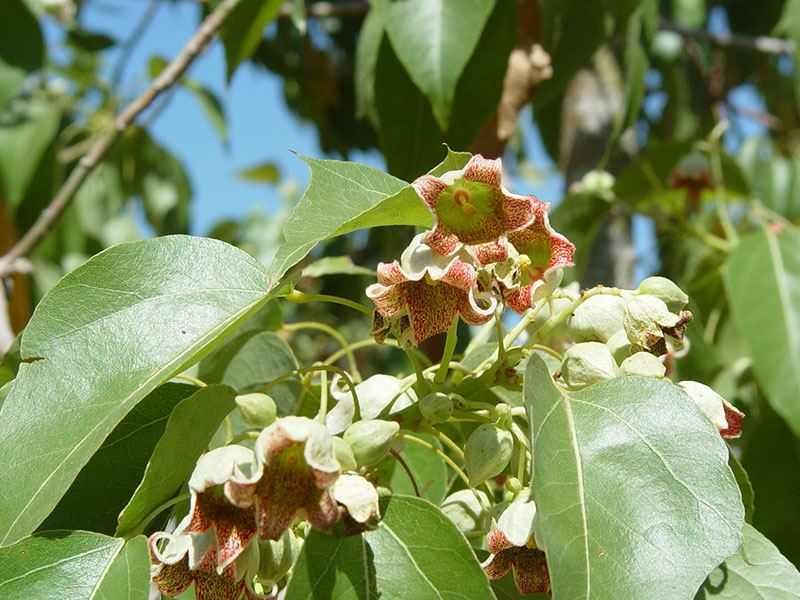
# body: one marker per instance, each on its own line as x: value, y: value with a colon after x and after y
x: 480, y: 403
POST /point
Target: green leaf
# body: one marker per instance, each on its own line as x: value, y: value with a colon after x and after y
x: 9, y: 364
x: 184, y: 437
x: 402, y: 107
x: 266, y: 172
x: 102, y: 339
x: 757, y: 570
x: 771, y: 455
x: 75, y: 565
x: 250, y: 361
x: 632, y: 486
x: 21, y: 47
x: 394, y: 562
x: 335, y: 265
x: 434, y: 39
x: 745, y: 487
x: 342, y: 197
x: 115, y: 470
x: 369, y: 42
x: 429, y: 471
x: 763, y: 285
x: 89, y: 41
x: 241, y: 34
x: 789, y: 25
x: 26, y: 130
x: 211, y: 105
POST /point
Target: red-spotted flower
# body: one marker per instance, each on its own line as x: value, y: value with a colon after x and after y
x: 724, y: 415
x: 299, y: 469
x: 431, y: 290
x: 219, y: 474
x: 538, y: 255
x: 512, y: 545
x: 470, y: 206
x: 179, y: 560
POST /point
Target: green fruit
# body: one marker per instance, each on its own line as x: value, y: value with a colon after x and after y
x: 257, y: 410
x: 437, y: 407
x: 370, y: 440
x: 487, y: 453
x: 344, y: 454
x: 642, y: 363
x: 586, y: 364
x: 666, y: 291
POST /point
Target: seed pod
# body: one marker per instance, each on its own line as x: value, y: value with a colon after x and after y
x: 437, y: 407
x: 647, y: 320
x: 257, y: 410
x: 642, y: 363
x: 344, y: 454
x: 597, y: 319
x: 370, y: 440
x: 666, y: 291
x: 487, y: 453
x: 586, y: 364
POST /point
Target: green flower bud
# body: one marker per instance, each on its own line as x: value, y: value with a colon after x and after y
x: 257, y: 410
x: 370, y: 440
x: 597, y: 319
x: 586, y: 364
x: 467, y: 509
x: 666, y: 291
x: 277, y: 557
x: 642, y: 363
x: 437, y: 408
x: 513, y: 485
x: 620, y: 346
x: 344, y: 454
x: 487, y: 453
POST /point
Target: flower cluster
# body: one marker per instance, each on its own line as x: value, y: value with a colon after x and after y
x: 487, y: 247
x: 240, y: 496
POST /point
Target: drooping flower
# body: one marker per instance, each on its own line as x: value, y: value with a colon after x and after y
x: 724, y: 415
x: 219, y: 474
x: 431, y: 289
x: 541, y: 255
x: 470, y: 206
x: 299, y: 468
x: 179, y: 560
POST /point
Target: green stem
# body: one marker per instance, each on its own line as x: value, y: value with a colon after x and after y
x: 422, y: 384
x: 139, y: 529
x: 371, y: 342
x: 501, y: 349
x: 301, y: 298
x: 449, y: 348
x: 323, y: 396
x: 313, y: 369
x: 351, y: 359
x: 440, y: 454
x: 247, y: 435
x: 548, y: 350
x: 192, y: 380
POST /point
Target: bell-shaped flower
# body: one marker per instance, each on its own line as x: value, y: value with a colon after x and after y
x: 470, y: 206
x: 179, y: 560
x: 527, y: 561
x: 214, y: 484
x: 431, y: 289
x: 299, y: 468
x: 359, y: 499
x: 724, y: 415
x: 541, y: 255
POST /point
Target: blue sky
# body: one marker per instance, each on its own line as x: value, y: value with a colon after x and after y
x: 261, y: 128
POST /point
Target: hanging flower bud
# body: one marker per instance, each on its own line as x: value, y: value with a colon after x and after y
x: 278, y: 556
x: 619, y: 345
x: 647, y: 321
x: 437, y: 407
x: 666, y: 291
x: 725, y: 417
x: 642, y: 363
x: 431, y: 289
x: 487, y: 453
x: 344, y: 454
x: 471, y: 206
x: 587, y: 363
x: 597, y: 318
x: 371, y: 440
x: 257, y: 410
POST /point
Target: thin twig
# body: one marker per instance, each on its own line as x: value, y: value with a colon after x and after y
x: 407, y: 469
x: 126, y: 50
x: 760, y: 43
x: 168, y: 78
